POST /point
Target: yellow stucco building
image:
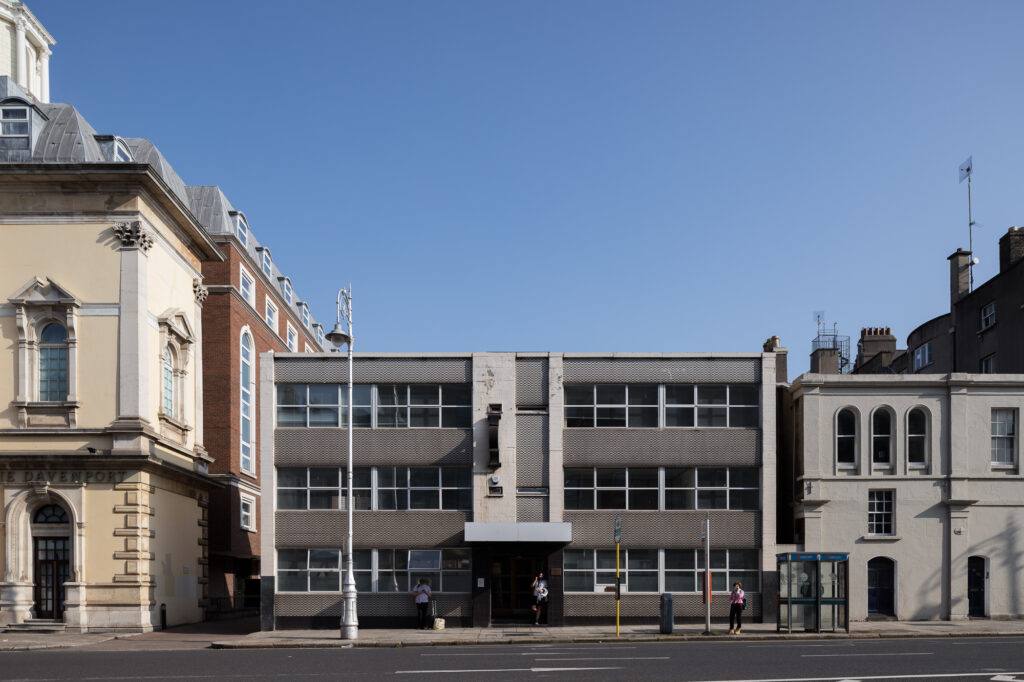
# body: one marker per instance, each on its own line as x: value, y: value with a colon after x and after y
x: 102, y: 468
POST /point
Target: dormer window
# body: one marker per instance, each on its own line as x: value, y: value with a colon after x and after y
x: 305, y: 315
x: 242, y: 230
x: 286, y: 287
x: 320, y: 335
x: 122, y: 153
x: 266, y: 263
x: 14, y: 122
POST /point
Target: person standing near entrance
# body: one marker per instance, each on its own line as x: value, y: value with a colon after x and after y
x: 422, y: 592
x: 736, y: 598
x: 540, y: 597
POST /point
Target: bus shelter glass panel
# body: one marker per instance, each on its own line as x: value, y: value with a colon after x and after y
x: 813, y: 592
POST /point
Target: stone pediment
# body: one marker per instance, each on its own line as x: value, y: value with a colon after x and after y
x: 176, y: 323
x: 38, y: 291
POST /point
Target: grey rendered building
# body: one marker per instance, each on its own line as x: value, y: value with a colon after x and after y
x: 478, y: 470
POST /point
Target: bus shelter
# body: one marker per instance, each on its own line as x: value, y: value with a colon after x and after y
x: 814, y: 592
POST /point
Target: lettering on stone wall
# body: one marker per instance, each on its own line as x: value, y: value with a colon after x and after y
x: 37, y: 477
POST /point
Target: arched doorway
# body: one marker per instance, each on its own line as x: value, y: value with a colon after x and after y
x: 881, y: 587
x: 976, y: 586
x: 51, y: 560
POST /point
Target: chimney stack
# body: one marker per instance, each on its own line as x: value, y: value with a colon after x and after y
x: 1011, y: 248
x: 825, y: 361
x: 959, y: 275
x: 875, y: 342
x: 774, y: 345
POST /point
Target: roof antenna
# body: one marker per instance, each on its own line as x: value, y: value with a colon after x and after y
x: 965, y: 172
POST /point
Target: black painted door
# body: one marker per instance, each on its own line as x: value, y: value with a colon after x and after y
x: 52, y: 569
x: 976, y: 586
x: 881, y: 587
x: 512, y: 586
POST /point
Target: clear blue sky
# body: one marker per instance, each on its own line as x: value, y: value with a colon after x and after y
x: 580, y: 176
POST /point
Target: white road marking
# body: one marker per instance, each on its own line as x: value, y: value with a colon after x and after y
x: 612, y: 658
x: 927, y: 676
x: 499, y: 670
x: 895, y: 653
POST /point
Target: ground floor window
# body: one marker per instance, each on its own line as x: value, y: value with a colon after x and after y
x: 659, y: 570
x: 376, y: 570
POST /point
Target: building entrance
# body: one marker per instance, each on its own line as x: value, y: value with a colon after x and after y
x: 512, y: 587
x: 52, y: 568
x: 976, y: 586
x: 881, y: 587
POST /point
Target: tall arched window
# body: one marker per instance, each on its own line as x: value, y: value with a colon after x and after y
x: 247, y: 379
x: 167, y: 383
x: 53, y: 363
x: 846, y: 437
x: 917, y: 437
x: 881, y: 436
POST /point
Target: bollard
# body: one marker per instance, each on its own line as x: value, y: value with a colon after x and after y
x: 667, y: 616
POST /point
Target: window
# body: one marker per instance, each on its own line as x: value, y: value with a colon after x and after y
x: 53, y: 363
x: 266, y: 264
x: 305, y: 315
x: 122, y: 153
x: 424, y: 488
x: 1004, y: 434
x: 988, y: 364
x: 14, y: 122
x: 167, y: 387
x: 242, y: 230
x: 248, y: 380
x: 376, y: 570
x: 846, y: 437
x: 50, y: 513
x: 271, y: 315
x: 880, y: 512
x: 292, y: 338
x: 376, y: 406
x: 881, y: 437
x: 309, y: 570
x: 247, y: 286
x: 641, y: 405
x: 301, y: 488
x: 922, y: 356
x: 684, y: 488
x: 654, y: 570
x: 988, y: 315
x: 917, y: 437
x: 320, y: 335
x: 286, y: 287
x: 247, y: 512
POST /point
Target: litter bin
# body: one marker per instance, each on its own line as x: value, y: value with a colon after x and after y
x: 667, y: 617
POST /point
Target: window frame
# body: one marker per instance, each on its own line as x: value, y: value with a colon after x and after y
x: 305, y: 314
x: 291, y: 337
x: 122, y: 153
x: 987, y: 316
x: 881, y: 512
x: 850, y: 437
x: 374, y: 414
x: 242, y: 229
x: 371, y: 568
x: 987, y: 365
x: 734, y: 492
x: 701, y: 410
x: 369, y: 496
x: 267, y: 263
x: 4, y: 120
x: 249, y: 500
x: 168, y: 387
x: 924, y: 438
x: 49, y: 351
x: 889, y: 437
x: 1010, y: 438
x: 923, y: 356
x: 281, y: 573
x: 244, y: 276
x: 247, y: 403
x: 287, y: 291
x: 727, y: 566
x: 271, y: 315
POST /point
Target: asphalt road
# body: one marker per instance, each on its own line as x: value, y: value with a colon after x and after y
x: 975, y: 659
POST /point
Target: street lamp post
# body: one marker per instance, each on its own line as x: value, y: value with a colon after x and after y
x: 339, y: 337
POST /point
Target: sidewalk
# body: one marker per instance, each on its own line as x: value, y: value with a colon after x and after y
x: 529, y: 634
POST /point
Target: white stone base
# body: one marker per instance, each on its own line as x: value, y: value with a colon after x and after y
x: 16, y: 602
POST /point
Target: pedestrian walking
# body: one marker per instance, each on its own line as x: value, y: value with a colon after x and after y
x: 540, y: 598
x: 737, y: 602
x: 422, y: 592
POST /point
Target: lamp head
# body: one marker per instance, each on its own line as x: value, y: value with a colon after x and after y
x: 338, y: 336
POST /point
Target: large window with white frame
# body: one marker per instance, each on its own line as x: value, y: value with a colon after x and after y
x: 266, y: 263
x: 380, y: 406
x: 376, y: 570
x: 292, y: 337
x: 247, y: 512
x: 271, y: 315
x: 881, y: 437
x: 922, y: 356
x: 667, y: 405
x: 846, y: 438
x: 1004, y: 437
x: 53, y: 363
x: 168, y: 388
x: 248, y: 381
x: 14, y: 122
x: 881, y: 512
x: 241, y: 229
x: 664, y: 488
x: 917, y: 437
x: 320, y: 335
x: 659, y: 570
x: 305, y: 314
x: 988, y: 315
x: 246, y: 285
x: 286, y: 287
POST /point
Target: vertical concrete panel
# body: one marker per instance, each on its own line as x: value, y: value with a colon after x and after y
x: 268, y: 561
x: 494, y: 383
x: 556, y: 402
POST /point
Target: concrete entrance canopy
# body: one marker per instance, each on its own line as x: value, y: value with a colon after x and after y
x: 518, y: 532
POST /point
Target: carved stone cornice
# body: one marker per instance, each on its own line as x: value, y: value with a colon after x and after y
x: 200, y: 290
x: 133, y: 236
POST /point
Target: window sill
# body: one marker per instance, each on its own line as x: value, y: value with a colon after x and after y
x: 880, y: 538
x: 982, y: 330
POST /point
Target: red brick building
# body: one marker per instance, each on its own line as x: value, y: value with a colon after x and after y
x: 252, y: 308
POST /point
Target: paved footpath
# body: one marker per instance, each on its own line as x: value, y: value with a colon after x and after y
x: 239, y: 634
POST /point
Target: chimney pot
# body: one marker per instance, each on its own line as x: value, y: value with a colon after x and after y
x: 1011, y: 248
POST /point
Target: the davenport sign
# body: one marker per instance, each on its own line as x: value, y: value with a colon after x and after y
x: 62, y: 476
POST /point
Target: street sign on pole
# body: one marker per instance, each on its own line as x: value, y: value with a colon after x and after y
x: 618, y: 529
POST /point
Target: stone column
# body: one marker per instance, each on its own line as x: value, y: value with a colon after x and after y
x: 201, y: 292
x: 44, y: 76
x: 133, y: 369
x: 20, y: 46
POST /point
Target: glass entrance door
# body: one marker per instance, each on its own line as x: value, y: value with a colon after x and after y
x: 512, y: 587
x: 52, y: 570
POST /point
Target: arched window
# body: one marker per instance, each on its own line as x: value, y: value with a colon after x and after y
x: 51, y: 513
x: 881, y: 436
x: 917, y: 437
x: 247, y: 380
x: 53, y: 363
x: 167, y: 383
x: 846, y: 437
